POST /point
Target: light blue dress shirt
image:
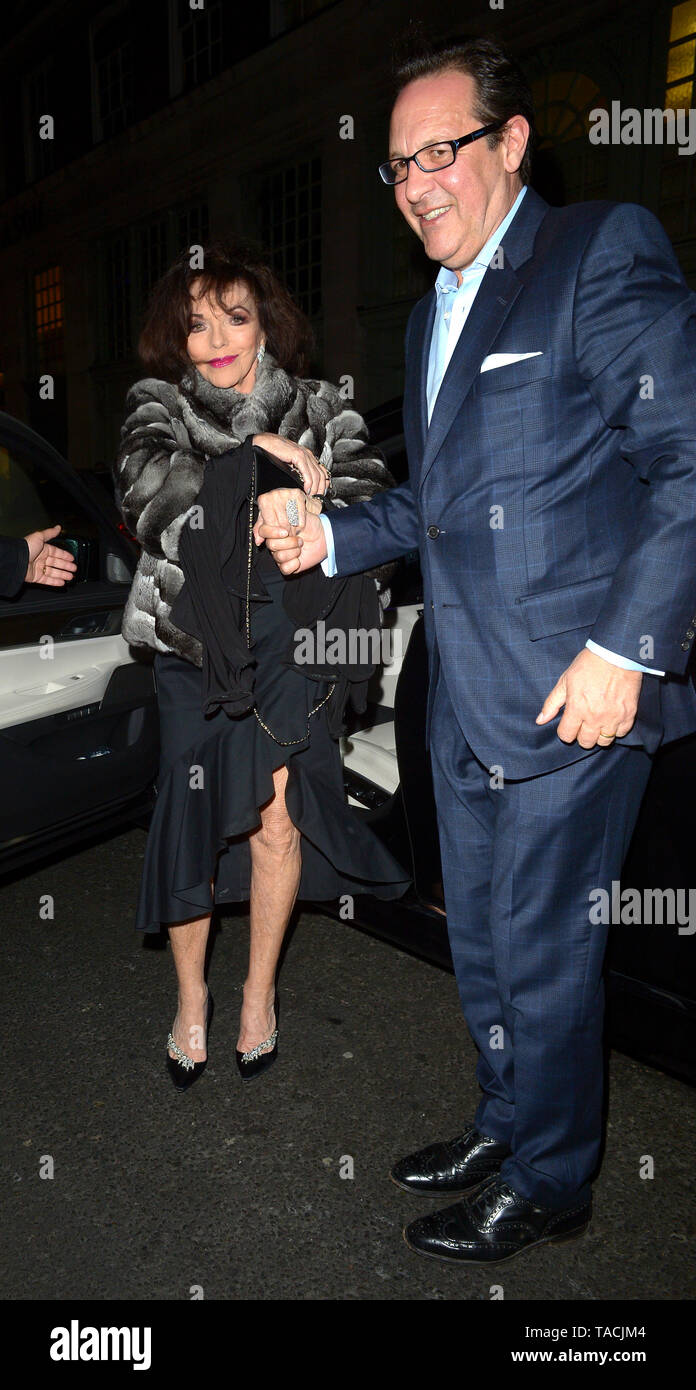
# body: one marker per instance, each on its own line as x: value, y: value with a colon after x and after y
x: 456, y: 292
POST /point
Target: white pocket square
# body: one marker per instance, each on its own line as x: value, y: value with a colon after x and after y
x: 503, y: 359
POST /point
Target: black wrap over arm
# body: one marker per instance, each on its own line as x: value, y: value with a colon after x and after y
x: 211, y: 606
x: 205, y: 607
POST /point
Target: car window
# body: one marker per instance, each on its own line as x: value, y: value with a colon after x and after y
x: 32, y: 499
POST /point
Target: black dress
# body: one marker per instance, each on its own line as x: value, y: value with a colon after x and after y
x: 216, y: 771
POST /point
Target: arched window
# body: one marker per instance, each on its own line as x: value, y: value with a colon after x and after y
x: 568, y: 168
x: 563, y: 101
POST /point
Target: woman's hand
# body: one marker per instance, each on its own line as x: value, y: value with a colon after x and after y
x: 283, y: 536
x: 273, y: 510
x: 315, y: 477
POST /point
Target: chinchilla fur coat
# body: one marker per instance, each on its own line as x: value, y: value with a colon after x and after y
x: 170, y: 431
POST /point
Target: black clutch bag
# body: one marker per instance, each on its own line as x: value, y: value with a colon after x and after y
x: 272, y: 473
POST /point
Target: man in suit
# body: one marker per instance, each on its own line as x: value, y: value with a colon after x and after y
x: 549, y: 414
x: 33, y: 560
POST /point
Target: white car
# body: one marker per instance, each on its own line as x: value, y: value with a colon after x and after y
x: 79, y: 739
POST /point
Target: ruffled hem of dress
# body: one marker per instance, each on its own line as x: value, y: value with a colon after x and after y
x: 340, y: 854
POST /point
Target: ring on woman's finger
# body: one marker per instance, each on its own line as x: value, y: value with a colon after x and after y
x: 291, y: 512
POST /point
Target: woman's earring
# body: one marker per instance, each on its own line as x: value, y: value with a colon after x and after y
x: 261, y: 354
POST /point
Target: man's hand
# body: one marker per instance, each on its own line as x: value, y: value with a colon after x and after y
x: 600, y: 701
x: 48, y: 564
x: 294, y: 548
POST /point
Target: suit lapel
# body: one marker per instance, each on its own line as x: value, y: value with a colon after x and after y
x: 497, y: 293
x: 416, y: 374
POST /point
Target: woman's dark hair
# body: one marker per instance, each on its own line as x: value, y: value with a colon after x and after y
x: 167, y: 322
x: 502, y: 90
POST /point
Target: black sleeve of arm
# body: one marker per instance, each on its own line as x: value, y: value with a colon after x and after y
x: 14, y: 558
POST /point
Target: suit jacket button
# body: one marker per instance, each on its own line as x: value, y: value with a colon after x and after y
x: 433, y: 532
x: 685, y: 646
x: 690, y: 632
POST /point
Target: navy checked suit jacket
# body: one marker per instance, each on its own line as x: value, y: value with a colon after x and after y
x: 552, y: 499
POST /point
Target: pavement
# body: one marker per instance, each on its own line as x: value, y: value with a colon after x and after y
x: 281, y: 1190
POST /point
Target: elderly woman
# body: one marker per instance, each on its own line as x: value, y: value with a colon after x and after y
x: 250, y: 802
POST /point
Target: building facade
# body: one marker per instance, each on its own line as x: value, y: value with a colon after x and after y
x: 133, y: 130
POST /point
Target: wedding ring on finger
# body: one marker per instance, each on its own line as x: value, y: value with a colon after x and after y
x: 291, y: 512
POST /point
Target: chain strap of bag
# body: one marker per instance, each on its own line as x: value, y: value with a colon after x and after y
x: 284, y: 742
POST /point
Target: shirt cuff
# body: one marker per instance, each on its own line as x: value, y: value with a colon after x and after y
x: 623, y: 661
x: 329, y: 564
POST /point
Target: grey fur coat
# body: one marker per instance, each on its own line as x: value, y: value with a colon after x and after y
x: 169, y: 432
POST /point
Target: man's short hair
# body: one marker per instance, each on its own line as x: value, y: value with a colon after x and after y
x: 502, y: 90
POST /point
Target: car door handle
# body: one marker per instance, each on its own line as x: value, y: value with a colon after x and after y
x: 87, y: 625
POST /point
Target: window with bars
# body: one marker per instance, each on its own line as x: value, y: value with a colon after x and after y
x: 681, y: 54
x: 48, y: 316
x: 200, y: 41
x: 114, y: 90
x: 290, y: 206
x: 286, y: 14
x: 38, y: 102
x: 130, y: 264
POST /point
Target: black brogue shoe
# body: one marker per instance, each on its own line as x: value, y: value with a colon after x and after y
x: 493, y: 1224
x: 453, y: 1167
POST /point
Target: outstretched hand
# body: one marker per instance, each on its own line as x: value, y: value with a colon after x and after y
x: 601, y: 701
x: 48, y: 564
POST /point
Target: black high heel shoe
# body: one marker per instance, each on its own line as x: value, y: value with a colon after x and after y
x: 182, y: 1069
x: 254, y: 1063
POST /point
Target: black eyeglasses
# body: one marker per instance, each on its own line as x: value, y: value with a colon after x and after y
x: 432, y: 157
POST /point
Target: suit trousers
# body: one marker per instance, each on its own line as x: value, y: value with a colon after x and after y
x: 519, y: 864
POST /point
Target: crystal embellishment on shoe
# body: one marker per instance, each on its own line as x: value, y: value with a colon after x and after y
x: 257, y: 1051
x: 252, y: 1064
x: 183, y: 1059
x: 182, y: 1069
